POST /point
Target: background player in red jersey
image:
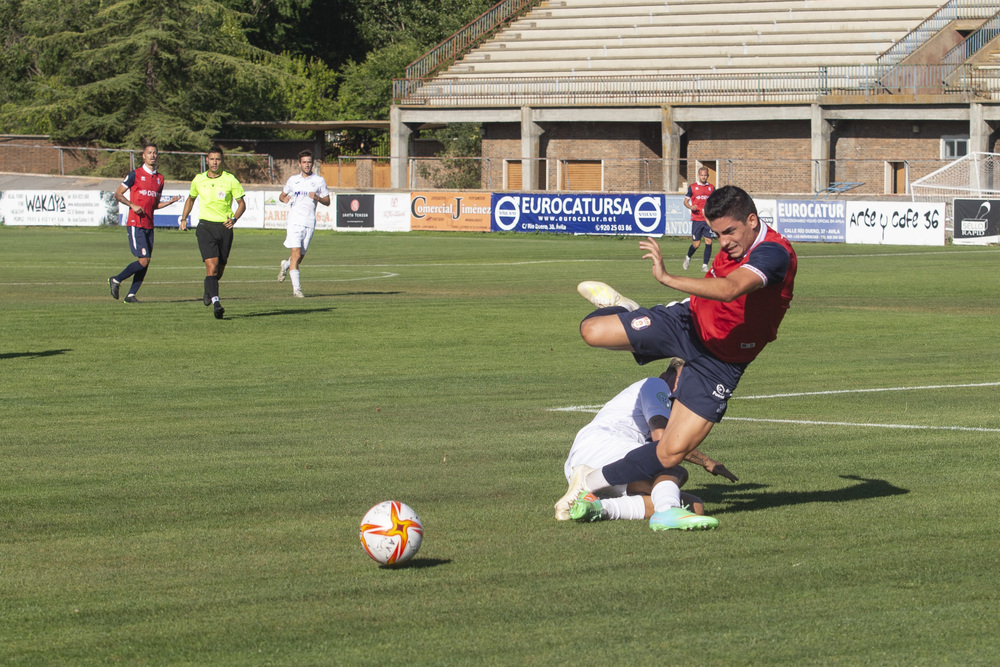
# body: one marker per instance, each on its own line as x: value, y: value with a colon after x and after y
x: 733, y: 312
x: 145, y: 187
x: 697, y: 194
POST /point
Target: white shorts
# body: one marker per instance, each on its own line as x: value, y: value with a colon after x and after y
x: 597, y: 447
x: 298, y: 237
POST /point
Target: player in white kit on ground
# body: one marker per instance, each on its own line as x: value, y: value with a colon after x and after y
x: 302, y: 192
x: 636, y: 416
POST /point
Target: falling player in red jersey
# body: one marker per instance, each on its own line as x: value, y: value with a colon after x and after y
x: 733, y: 312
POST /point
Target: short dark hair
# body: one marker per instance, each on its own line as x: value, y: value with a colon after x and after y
x: 148, y: 144
x: 215, y: 149
x: 303, y: 154
x: 730, y: 201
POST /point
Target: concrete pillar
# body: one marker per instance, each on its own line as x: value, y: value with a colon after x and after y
x: 531, y: 133
x: 319, y: 146
x: 671, y: 136
x: 821, y: 130
x: 979, y: 129
x: 399, y: 149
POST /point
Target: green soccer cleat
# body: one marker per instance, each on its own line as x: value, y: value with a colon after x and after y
x: 586, y: 508
x: 680, y: 518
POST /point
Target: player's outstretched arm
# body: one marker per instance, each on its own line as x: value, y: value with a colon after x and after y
x: 736, y: 284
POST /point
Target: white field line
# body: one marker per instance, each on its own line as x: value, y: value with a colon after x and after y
x: 595, y: 408
x: 863, y: 391
x: 899, y: 426
x: 382, y: 275
x: 595, y: 260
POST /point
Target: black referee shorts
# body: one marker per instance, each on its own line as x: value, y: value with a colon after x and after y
x: 214, y: 240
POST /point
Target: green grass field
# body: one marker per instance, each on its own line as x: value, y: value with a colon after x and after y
x: 182, y: 490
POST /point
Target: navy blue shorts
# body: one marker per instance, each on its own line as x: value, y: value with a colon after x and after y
x: 140, y: 241
x: 701, y: 229
x: 706, y: 383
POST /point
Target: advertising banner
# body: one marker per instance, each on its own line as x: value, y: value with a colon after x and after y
x: 356, y: 212
x: 977, y: 221
x: 676, y: 216
x: 895, y: 223
x: 392, y: 212
x: 578, y: 214
x: 276, y: 213
x: 63, y: 208
x: 810, y: 220
x: 450, y: 211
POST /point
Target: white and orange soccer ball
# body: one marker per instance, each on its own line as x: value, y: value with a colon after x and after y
x: 391, y: 532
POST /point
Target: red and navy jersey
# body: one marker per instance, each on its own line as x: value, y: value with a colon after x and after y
x: 697, y: 194
x: 144, y: 189
x: 737, y: 331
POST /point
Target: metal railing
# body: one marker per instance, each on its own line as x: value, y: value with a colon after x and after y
x: 468, y: 37
x: 973, y: 43
x: 717, y: 87
x: 953, y: 10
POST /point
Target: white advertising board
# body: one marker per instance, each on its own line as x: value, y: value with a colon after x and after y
x: 895, y: 223
x: 392, y: 212
x: 58, y: 208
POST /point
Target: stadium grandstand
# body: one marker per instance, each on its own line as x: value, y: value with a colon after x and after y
x: 779, y: 96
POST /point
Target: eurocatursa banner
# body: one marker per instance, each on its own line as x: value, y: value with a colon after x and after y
x: 616, y: 214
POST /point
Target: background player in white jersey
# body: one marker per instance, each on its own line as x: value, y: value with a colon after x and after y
x: 637, y: 415
x: 302, y: 192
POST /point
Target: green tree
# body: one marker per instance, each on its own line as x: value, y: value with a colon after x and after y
x: 171, y: 71
x: 458, y: 167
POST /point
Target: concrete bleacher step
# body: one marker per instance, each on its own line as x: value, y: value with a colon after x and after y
x: 564, y: 38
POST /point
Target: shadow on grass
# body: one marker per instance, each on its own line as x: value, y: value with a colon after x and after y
x: 275, y: 313
x: 46, y: 353
x: 417, y: 563
x: 752, y: 497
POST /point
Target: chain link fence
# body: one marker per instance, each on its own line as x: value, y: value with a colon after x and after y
x: 23, y: 157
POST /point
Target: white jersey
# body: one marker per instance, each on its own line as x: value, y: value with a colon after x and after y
x: 302, y: 210
x: 621, y: 425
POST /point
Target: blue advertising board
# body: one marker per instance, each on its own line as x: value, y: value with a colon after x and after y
x: 617, y: 214
x: 811, y: 220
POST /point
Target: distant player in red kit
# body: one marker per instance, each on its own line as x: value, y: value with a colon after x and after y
x: 695, y: 199
x: 145, y: 187
x: 732, y: 313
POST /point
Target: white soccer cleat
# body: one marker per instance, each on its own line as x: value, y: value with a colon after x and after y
x: 298, y: 294
x: 284, y: 270
x: 687, y: 263
x: 704, y: 268
x: 577, y: 483
x: 603, y: 295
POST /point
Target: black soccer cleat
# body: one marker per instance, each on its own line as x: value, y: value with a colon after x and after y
x: 114, y: 284
x: 131, y: 299
x: 219, y: 310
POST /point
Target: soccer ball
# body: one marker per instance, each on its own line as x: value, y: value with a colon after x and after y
x: 391, y: 532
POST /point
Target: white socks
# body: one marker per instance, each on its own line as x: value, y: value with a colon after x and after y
x: 595, y: 481
x: 666, y: 495
x: 296, y: 284
x: 624, y: 508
